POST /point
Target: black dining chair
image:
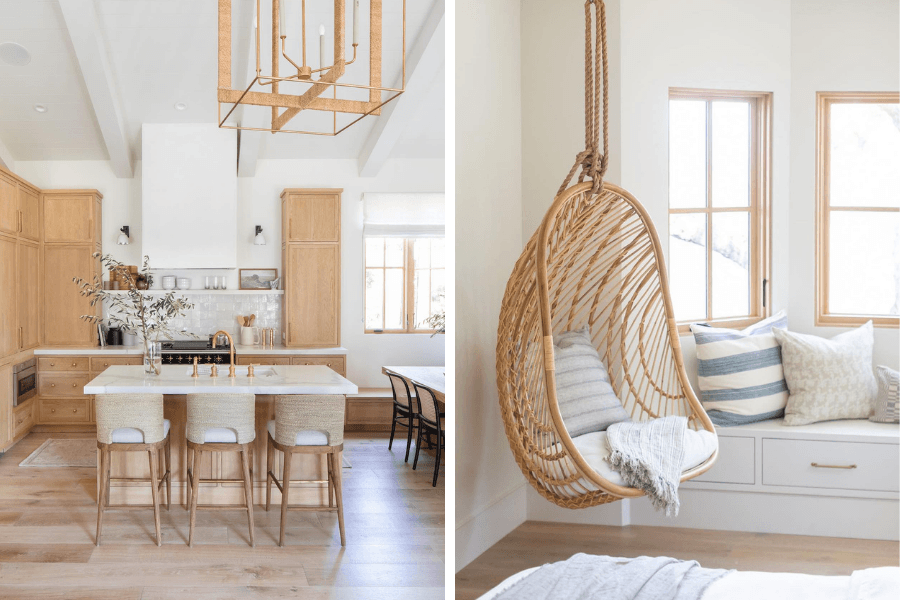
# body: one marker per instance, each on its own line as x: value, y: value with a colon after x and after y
x: 404, y: 410
x: 430, y: 422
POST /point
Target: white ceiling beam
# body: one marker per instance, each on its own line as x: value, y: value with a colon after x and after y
x: 6, y: 158
x: 91, y: 51
x: 424, y: 62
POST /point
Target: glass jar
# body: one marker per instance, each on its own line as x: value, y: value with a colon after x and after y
x: 152, y: 358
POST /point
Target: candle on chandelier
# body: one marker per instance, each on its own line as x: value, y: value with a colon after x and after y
x: 282, y: 8
x: 355, y: 22
x: 321, y: 47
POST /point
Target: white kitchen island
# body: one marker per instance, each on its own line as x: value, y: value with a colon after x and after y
x: 175, y: 382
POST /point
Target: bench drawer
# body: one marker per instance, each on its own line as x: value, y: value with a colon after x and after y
x: 63, y: 385
x: 60, y: 410
x: 63, y: 363
x: 839, y: 465
x: 735, y: 464
x: 23, y: 418
x: 101, y: 363
x: 336, y: 363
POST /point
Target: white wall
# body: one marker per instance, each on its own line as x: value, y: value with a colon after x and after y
x: 490, y: 494
x: 837, y: 46
x: 259, y: 203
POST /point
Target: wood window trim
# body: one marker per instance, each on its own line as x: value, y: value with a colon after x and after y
x: 760, y: 209
x: 409, y: 293
x: 824, y: 100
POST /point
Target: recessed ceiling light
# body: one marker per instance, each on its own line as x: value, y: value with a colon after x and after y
x: 40, y: 108
x: 180, y: 106
x: 14, y: 54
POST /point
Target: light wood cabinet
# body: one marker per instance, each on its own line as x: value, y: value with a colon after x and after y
x: 23, y: 419
x: 63, y: 363
x: 311, y: 215
x: 71, y: 216
x: 63, y: 305
x: 29, y: 294
x: 6, y: 400
x: 9, y: 204
x: 312, y: 299
x: 30, y: 213
x: 9, y: 328
x: 338, y: 364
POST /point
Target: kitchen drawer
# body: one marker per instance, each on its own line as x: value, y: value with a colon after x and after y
x: 62, y: 384
x: 64, y: 410
x: 101, y: 363
x: 735, y: 463
x: 790, y: 463
x: 23, y: 418
x: 263, y: 360
x: 337, y: 363
x: 64, y: 363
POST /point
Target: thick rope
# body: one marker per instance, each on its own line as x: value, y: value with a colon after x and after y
x: 592, y: 161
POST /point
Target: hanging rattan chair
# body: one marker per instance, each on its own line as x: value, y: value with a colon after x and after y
x: 595, y: 261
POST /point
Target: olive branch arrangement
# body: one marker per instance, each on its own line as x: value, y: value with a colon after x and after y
x: 134, y: 311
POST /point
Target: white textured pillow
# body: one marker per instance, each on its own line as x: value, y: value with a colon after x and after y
x: 887, y: 402
x: 827, y: 379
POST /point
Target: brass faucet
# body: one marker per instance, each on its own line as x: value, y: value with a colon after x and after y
x: 231, y: 343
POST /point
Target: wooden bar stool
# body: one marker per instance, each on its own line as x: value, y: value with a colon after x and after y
x: 430, y: 421
x: 220, y: 423
x: 133, y: 423
x: 307, y: 425
x: 404, y: 410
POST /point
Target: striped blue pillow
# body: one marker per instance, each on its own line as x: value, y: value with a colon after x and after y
x: 740, y: 374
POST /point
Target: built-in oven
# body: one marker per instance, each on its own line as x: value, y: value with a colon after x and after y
x: 24, y: 381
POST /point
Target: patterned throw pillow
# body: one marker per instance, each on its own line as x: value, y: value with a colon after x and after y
x: 887, y: 402
x: 586, y: 399
x: 739, y: 372
x: 828, y: 379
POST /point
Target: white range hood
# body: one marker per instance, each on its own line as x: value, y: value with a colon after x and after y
x: 189, y: 196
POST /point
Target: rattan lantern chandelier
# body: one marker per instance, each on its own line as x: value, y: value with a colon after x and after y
x: 313, y: 88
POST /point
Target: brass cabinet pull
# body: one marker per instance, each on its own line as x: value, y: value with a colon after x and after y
x: 74, y: 364
x: 74, y: 410
x: 818, y: 466
x: 52, y: 385
x: 74, y: 385
x: 52, y: 364
x: 53, y: 410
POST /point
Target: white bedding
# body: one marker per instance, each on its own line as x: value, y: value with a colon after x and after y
x: 870, y: 584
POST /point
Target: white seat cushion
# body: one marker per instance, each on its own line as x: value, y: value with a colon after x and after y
x: 304, y: 438
x: 698, y: 446
x: 129, y: 435
x: 220, y: 435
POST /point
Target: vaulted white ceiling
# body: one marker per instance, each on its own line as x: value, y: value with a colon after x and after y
x: 164, y: 52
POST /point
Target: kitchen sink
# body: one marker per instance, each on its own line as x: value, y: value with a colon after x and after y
x: 239, y: 371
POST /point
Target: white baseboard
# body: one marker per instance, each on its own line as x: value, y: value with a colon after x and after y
x: 861, y: 518
x: 484, y: 529
x: 614, y: 513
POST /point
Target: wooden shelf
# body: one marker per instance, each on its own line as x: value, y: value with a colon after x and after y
x: 211, y: 292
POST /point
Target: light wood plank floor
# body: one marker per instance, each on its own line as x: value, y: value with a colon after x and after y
x: 394, y: 522
x: 535, y: 543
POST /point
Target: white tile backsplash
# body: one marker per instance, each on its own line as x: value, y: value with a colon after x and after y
x: 220, y: 311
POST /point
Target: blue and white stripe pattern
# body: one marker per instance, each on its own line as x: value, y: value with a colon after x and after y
x: 740, y: 374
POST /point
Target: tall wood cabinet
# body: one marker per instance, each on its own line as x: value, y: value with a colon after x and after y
x: 311, y: 259
x: 71, y: 234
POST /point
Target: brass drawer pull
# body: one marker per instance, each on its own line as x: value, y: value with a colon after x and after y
x: 818, y: 466
x: 52, y: 385
x: 74, y: 410
x: 74, y: 364
x: 74, y: 385
x: 53, y: 410
x: 52, y: 364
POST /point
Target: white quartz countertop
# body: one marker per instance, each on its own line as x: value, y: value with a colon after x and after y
x: 176, y: 380
x: 139, y: 350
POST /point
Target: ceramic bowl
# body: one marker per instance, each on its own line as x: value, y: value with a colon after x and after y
x: 184, y: 283
x: 168, y: 282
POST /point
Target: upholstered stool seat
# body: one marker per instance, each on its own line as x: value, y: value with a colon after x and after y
x: 133, y: 423
x: 307, y: 425
x: 220, y: 423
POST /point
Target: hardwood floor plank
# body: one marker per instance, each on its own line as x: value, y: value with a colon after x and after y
x: 45, y: 553
x: 313, y: 556
x: 307, y: 593
x: 14, y: 592
x: 377, y: 575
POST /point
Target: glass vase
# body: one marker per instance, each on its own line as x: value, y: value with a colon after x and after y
x: 152, y: 358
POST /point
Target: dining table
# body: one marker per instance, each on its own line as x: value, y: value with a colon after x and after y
x: 428, y: 377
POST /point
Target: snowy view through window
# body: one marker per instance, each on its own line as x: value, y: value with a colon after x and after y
x: 710, y: 204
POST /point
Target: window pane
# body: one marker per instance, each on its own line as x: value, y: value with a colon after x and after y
x: 730, y: 153
x: 422, y: 253
x: 438, y: 292
x: 437, y: 252
x: 374, y: 298
x: 731, y: 265
x: 687, y: 153
x: 393, y: 252
x: 374, y: 252
x: 687, y: 265
x: 423, y: 297
x: 393, y: 299
x: 865, y: 152
x: 864, y: 263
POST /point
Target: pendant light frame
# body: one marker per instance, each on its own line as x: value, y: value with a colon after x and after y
x: 313, y: 98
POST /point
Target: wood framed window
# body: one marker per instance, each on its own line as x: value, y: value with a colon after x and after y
x: 720, y: 157
x: 858, y: 208
x: 404, y: 283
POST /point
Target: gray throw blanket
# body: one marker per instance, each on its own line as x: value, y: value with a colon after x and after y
x: 649, y: 456
x: 588, y: 577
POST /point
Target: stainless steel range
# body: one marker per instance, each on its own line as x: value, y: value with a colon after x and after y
x: 183, y: 352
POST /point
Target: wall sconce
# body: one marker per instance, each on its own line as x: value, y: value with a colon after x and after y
x: 259, y: 240
x: 123, y: 237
